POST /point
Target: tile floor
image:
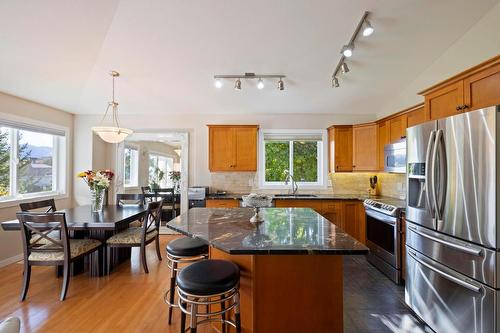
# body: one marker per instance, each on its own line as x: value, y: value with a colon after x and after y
x: 373, y: 303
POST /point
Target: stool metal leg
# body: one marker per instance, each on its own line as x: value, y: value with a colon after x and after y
x: 237, y: 318
x: 222, y: 308
x: 183, y: 318
x: 194, y: 319
x: 173, y: 276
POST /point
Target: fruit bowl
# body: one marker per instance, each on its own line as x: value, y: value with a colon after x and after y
x: 257, y: 201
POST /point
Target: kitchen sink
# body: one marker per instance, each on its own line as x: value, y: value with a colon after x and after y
x: 295, y: 195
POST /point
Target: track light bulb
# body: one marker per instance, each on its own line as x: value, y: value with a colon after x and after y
x: 218, y: 83
x: 335, y: 82
x: 281, y: 85
x: 347, y: 50
x: 260, y: 84
x: 368, y: 30
x: 344, y: 68
x: 237, y: 85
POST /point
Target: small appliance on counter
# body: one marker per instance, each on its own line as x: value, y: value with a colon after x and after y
x: 197, y: 196
x: 373, y: 185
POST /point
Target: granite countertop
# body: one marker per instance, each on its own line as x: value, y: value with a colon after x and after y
x: 284, y: 231
x: 237, y: 196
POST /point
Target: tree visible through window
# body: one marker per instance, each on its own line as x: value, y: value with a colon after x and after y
x: 131, y: 166
x: 300, y: 157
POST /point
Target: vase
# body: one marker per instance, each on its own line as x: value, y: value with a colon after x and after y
x: 97, y: 199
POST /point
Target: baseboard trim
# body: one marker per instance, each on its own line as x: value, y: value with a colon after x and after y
x: 11, y: 260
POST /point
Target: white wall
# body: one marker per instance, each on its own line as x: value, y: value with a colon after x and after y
x: 198, y: 132
x: 480, y: 43
x: 10, y: 242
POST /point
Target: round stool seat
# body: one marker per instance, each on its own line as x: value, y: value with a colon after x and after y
x: 209, y: 277
x: 187, y: 247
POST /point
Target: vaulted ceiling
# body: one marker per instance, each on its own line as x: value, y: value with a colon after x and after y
x: 59, y: 52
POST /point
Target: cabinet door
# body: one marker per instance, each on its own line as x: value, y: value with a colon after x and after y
x: 343, y: 149
x: 222, y: 203
x: 361, y: 221
x: 416, y: 117
x: 482, y: 89
x: 222, y: 155
x: 351, y: 219
x: 445, y: 101
x: 246, y: 149
x: 365, y: 147
x: 332, y: 211
x: 397, y: 128
x: 314, y: 204
x: 383, y: 139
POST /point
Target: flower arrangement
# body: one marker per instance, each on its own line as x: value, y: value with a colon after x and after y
x: 175, y: 177
x: 98, y: 182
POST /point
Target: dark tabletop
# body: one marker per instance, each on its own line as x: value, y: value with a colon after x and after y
x: 82, y: 217
x: 284, y: 231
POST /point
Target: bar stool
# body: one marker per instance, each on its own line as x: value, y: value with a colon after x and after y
x: 209, y: 282
x: 184, y: 250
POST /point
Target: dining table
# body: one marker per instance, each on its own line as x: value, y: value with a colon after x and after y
x: 82, y: 222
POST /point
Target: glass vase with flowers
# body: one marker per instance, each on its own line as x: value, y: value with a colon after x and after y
x: 98, y: 182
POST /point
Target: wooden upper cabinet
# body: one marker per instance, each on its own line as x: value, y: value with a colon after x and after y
x: 383, y: 139
x: 416, y: 117
x: 445, y: 102
x: 470, y: 90
x: 232, y: 147
x: 397, y: 128
x: 365, y: 147
x: 482, y: 89
x: 340, y: 147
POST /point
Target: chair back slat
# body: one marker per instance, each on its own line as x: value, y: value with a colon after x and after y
x: 44, y: 206
x: 130, y: 199
x: 167, y: 194
x: 153, y: 217
x: 41, y: 225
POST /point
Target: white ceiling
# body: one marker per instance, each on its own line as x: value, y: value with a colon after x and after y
x: 59, y: 52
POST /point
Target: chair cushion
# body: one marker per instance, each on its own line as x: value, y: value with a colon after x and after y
x: 208, y: 277
x: 187, y: 247
x: 130, y: 236
x: 77, y: 247
x: 10, y: 325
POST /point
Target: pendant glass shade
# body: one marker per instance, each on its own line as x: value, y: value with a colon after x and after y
x: 112, y: 134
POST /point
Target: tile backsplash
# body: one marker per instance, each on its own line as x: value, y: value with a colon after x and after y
x: 389, y: 184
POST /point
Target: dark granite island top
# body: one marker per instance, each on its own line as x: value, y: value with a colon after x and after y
x: 284, y: 231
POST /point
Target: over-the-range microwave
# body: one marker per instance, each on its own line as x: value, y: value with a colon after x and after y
x: 395, y: 157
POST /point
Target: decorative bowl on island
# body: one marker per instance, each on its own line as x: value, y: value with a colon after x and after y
x: 257, y: 201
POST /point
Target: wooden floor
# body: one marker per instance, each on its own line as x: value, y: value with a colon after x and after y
x: 128, y: 300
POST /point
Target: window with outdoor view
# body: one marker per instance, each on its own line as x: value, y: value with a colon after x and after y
x: 131, y: 167
x: 32, y: 162
x: 159, y: 168
x: 301, y: 154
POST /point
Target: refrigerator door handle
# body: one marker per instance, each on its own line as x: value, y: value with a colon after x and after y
x: 434, y: 191
x: 449, y: 276
x: 429, y: 174
x: 468, y: 250
x: 443, y: 174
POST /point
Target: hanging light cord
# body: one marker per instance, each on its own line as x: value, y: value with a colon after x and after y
x: 113, y: 104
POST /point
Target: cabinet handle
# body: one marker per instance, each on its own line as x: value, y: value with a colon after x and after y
x: 458, y: 108
x: 465, y: 106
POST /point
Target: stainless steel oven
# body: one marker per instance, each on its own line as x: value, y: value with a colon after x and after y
x: 383, y: 238
x: 395, y: 157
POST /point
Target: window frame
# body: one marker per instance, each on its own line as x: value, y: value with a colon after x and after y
x: 164, y: 155
x: 136, y: 148
x: 61, y: 161
x: 322, y: 164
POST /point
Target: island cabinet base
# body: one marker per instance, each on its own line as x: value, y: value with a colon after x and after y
x: 289, y: 293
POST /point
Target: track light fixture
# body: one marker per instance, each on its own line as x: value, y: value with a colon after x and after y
x: 347, y: 50
x: 344, y: 68
x: 237, y: 84
x: 281, y: 85
x: 250, y: 76
x: 335, y: 82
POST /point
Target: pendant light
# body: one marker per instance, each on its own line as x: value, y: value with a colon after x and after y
x: 114, y: 133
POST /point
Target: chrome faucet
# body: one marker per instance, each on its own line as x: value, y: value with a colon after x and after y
x: 289, y: 178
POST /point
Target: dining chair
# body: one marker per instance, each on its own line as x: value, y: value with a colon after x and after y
x: 169, y: 202
x: 131, y: 199
x: 147, y: 193
x: 139, y: 237
x: 42, y: 206
x: 58, y: 250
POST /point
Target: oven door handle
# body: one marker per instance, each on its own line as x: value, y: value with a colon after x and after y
x: 381, y: 217
x: 448, y: 276
x: 473, y: 251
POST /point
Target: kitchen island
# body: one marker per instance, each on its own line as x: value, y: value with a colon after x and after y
x: 291, y: 264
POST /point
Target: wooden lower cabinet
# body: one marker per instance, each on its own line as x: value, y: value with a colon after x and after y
x: 348, y: 215
x: 222, y: 203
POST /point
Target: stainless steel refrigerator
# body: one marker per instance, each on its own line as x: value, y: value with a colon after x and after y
x: 452, y: 237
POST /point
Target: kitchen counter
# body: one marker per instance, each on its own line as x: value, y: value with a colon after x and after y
x: 237, y: 196
x: 290, y: 263
x: 284, y: 231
